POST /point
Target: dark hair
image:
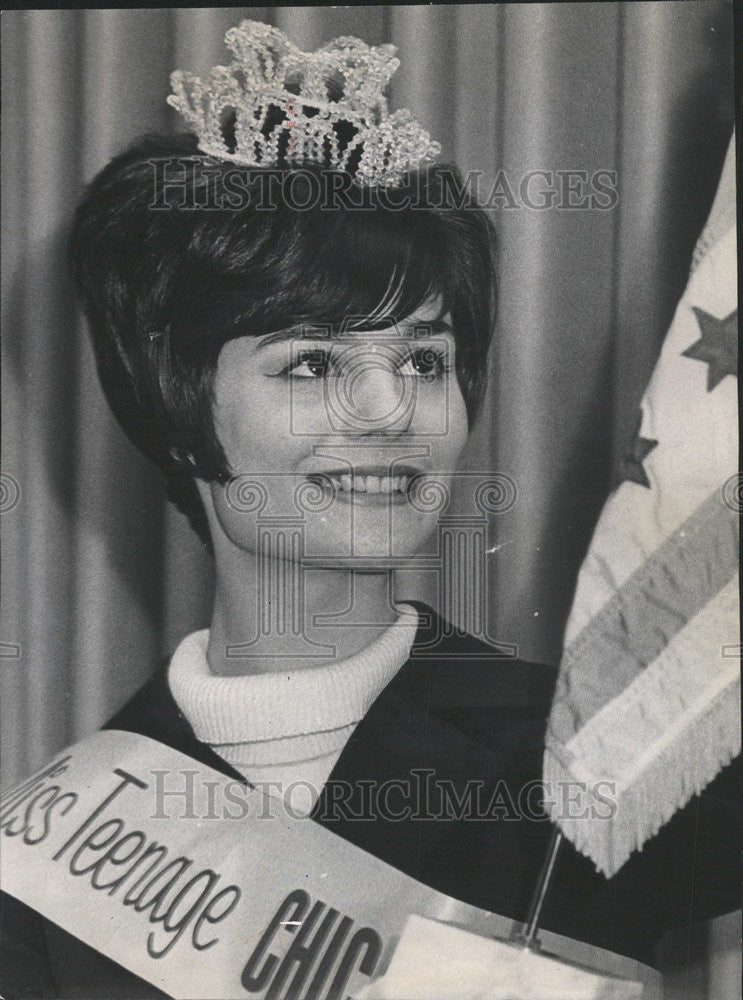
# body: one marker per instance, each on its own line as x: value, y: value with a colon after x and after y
x: 168, y: 271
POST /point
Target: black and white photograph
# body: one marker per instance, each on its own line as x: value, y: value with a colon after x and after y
x: 370, y: 502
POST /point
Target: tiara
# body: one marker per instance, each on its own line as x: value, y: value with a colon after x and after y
x: 343, y: 81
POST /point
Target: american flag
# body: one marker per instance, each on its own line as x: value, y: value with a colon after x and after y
x: 648, y: 696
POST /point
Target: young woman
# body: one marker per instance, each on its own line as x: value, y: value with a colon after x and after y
x: 302, y: 352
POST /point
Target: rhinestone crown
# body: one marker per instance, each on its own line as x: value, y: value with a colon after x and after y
x: 341, y: 82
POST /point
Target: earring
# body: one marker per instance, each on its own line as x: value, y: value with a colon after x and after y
x: 182, y: 456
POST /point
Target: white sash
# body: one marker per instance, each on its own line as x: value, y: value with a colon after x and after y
x: 208, y: 889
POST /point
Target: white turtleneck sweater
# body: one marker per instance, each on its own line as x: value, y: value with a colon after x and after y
x: 285, y: 731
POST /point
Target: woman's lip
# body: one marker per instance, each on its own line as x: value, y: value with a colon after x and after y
x: 370, y: 499
x: 393, y: 470
x: 368, y: 489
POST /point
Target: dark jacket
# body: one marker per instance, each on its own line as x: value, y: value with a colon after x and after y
x: 467, y: 724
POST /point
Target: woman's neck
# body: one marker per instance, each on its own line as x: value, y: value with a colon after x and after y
x: 290, y: 618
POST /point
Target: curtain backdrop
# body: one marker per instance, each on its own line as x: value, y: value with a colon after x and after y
x: 100, y: 579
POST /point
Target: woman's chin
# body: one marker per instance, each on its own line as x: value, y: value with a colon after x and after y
x: 370, y: 546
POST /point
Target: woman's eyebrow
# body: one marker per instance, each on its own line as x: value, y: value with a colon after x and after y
x: 293, y: 333
x: 417, y: 329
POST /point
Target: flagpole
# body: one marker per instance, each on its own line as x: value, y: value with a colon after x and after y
x: 528, y: 937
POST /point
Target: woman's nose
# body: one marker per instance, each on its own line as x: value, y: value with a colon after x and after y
x: 373, y: 397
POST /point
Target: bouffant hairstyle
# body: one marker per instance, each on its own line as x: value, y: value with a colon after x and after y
x: 174, y: 254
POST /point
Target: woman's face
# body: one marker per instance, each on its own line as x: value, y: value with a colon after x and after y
x: 341, y: 436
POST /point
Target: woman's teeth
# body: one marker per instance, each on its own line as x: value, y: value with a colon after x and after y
x: 370, y: 484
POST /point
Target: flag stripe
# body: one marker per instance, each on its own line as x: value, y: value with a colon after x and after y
x: 661, y: 741
x: 674, y: 683
x: 686, y: 571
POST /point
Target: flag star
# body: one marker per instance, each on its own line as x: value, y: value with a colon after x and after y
x: 630, y: 467
x: 718, y: 346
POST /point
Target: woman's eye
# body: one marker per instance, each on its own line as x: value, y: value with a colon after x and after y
x: 426, y: 362
x: 310, y: 364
